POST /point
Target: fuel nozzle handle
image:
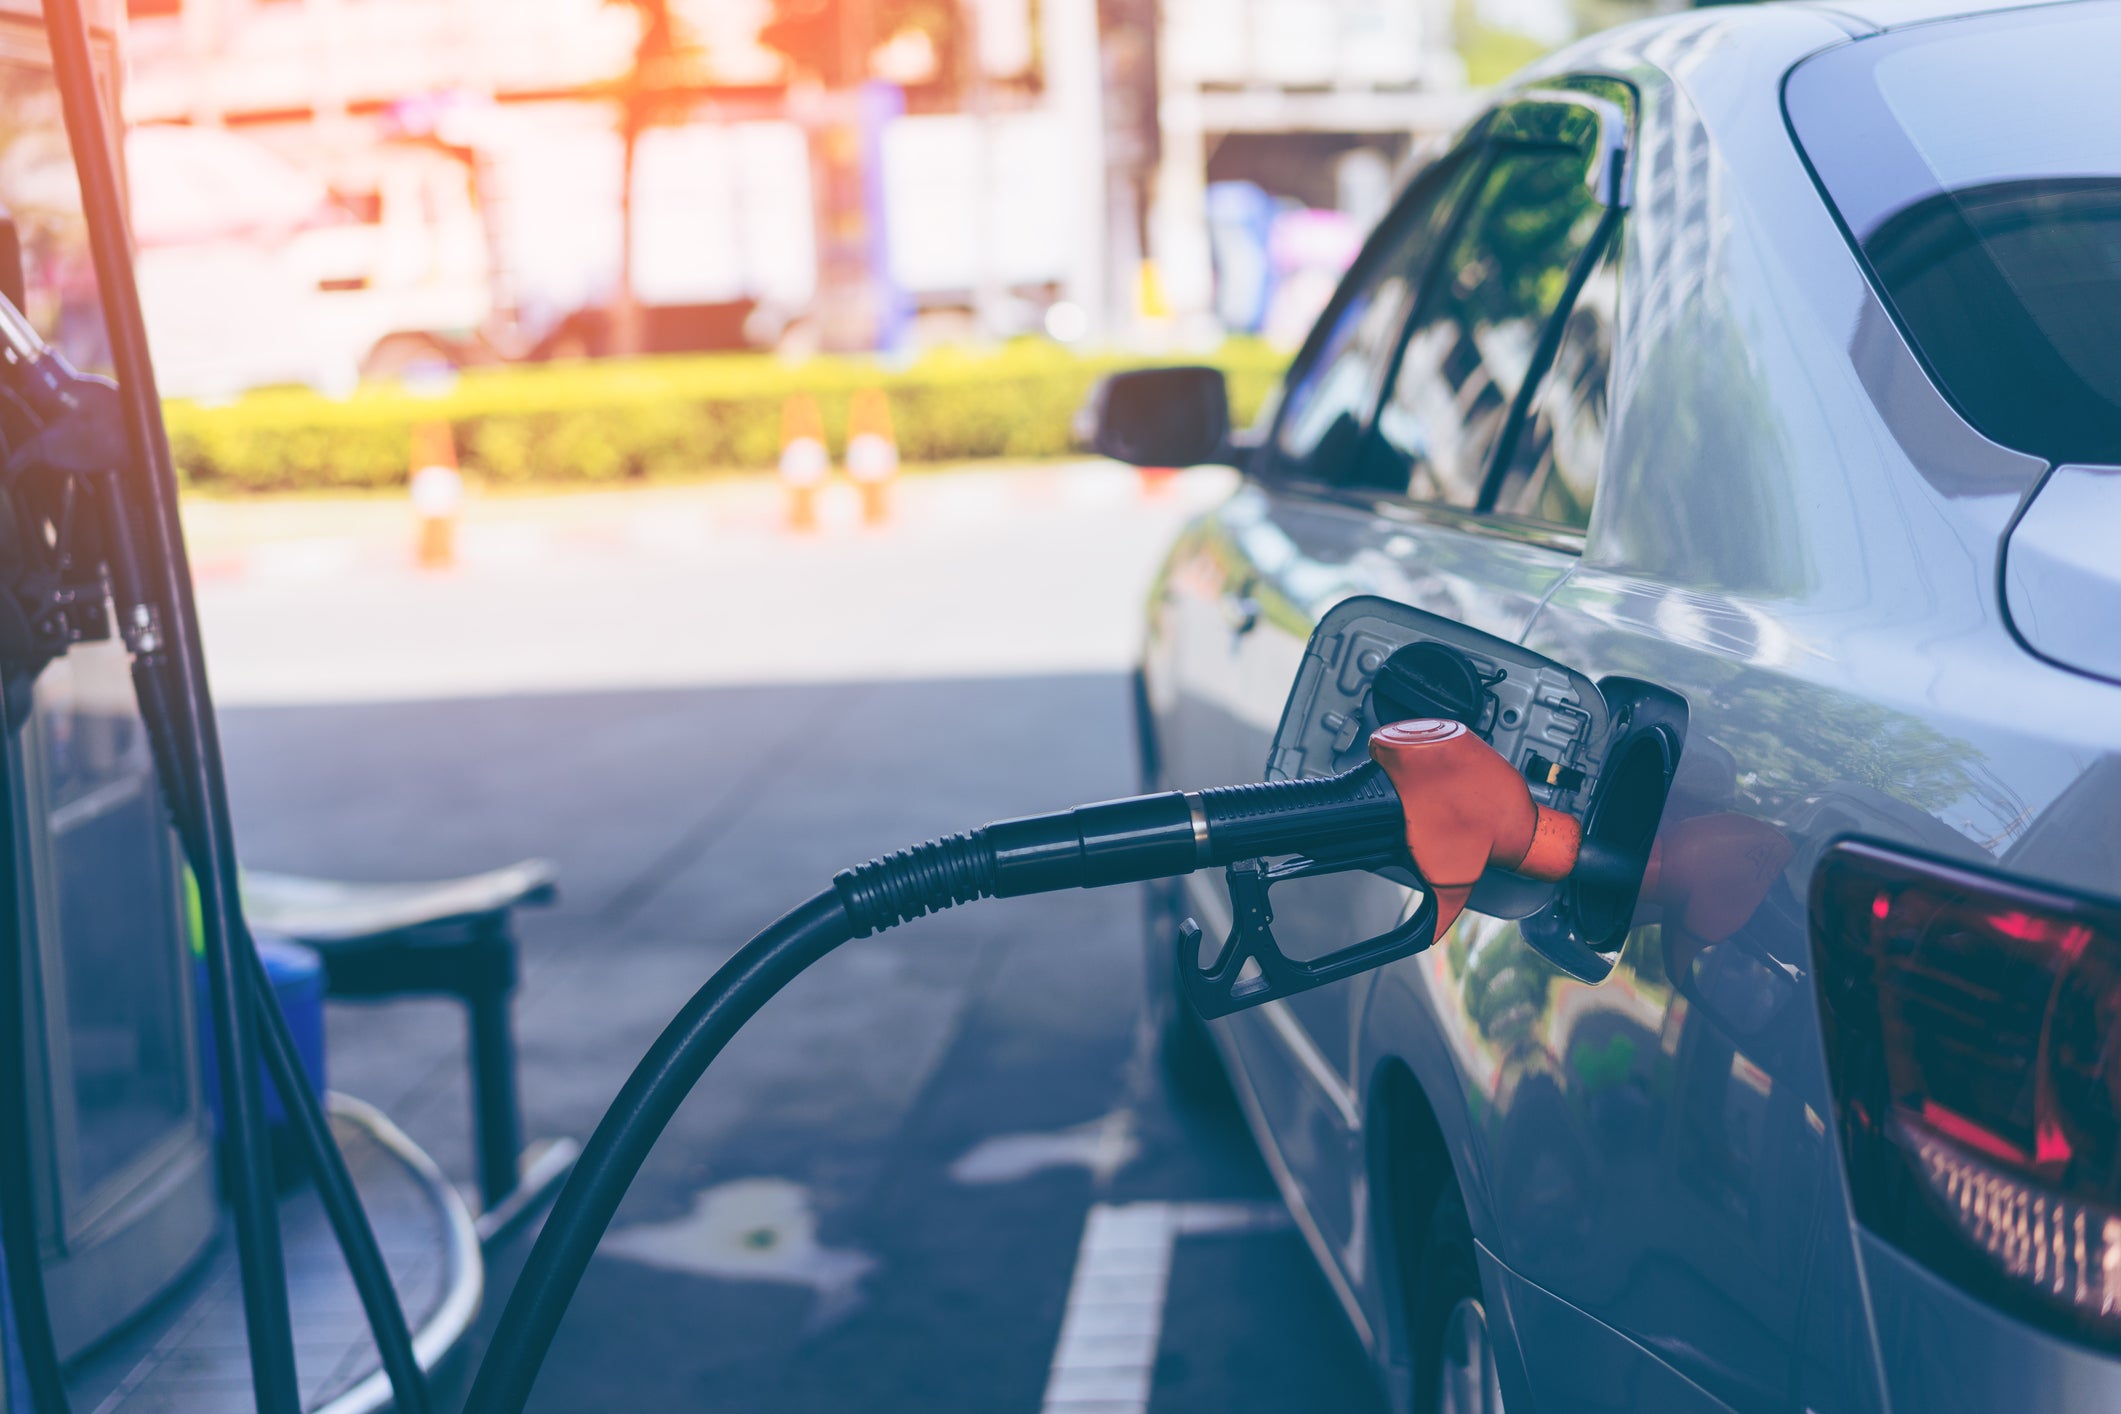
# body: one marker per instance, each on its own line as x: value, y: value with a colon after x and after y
x: 1176, y: 832
x: 1353, y: 814
x: 1350, y: 816
x: 1432, y: 787
x: 1465, y: 809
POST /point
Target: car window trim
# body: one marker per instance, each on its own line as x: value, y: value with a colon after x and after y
x: 1594, y: 251
x: 1521, y: 530
x: 1611, y: 176
x: 1511, y: 128
x: 1612, y: 154
x: 1491, y: 153
x: 1438, y: 174
x: 1826, y: 59
x: 1613, y: 163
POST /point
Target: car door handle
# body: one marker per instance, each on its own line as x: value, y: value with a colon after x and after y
x: 1240, y: 612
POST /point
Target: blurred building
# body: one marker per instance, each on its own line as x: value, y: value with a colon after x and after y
x: 408, y: 180
x: 1281, y: 127
x: 404, y: 181
x: 979, y: 182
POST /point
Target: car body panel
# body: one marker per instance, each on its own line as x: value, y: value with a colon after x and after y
x: 1880, y: 15
x: 1580, y: 1365
x: 1826, y: 604
x: 1241, y: 596
x: 1795, y: 532
x: 1954, y: 1355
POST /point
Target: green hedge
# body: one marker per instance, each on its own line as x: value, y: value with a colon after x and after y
x: 656, y: 417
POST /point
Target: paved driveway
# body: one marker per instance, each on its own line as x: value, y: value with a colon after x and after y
x: 893, y: 1188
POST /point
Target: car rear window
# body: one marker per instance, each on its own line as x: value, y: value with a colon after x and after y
x: 1977, y: 166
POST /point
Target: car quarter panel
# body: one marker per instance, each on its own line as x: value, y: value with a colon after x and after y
x: 1233, y: 611
x: 1953, y: 1356
x: 1798, y: 535
x: 1580, y: 1365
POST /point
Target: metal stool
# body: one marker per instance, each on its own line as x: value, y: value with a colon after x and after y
x: 452, y: 938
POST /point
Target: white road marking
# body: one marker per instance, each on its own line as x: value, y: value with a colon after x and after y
x: 1105, y: 1360
x: 1104, y: 1146
x: 754, y: 1229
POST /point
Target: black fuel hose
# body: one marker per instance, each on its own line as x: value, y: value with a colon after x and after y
x: 158, y: 620
x: 1120, y: 841
x: 18, y: 1189
x: 340, y: 1199
x: 336, y: 1192
x: 629, y: 1129
x: 268, y: 1327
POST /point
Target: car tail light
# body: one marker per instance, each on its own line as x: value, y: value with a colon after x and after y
x: 1973, y: 1031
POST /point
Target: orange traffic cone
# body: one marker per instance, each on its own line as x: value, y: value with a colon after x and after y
x: 804, y: 461
x: 437, y: 494
x: 872, y: 452
x: 1156, y: 481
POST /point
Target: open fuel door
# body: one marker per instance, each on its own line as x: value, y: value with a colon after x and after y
x: 1601, y: 754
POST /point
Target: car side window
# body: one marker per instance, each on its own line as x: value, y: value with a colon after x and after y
x: 1552, y: 472
x: 1327, y: 406
x: 1466, y: 358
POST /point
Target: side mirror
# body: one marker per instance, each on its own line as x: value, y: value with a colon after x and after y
x: 1160, y: 417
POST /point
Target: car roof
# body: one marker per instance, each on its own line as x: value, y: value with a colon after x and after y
x: 1879, y: 15
x: 1793, y: 30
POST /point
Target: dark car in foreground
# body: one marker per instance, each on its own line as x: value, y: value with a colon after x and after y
x: 1771, y: 355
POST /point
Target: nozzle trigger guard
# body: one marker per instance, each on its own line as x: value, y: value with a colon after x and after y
x: 1251, y: 968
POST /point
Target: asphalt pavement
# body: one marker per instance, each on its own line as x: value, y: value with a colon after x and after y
x: 940, y: 1145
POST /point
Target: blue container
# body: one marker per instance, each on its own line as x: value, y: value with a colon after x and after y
x: 298, y: 980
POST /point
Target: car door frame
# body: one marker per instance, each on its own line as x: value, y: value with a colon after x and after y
x: 1344, y: 1260
x: 1613, y: 169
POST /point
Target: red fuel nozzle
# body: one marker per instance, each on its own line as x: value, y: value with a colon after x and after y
x: 1455, y: 802
x: 1466, y: 809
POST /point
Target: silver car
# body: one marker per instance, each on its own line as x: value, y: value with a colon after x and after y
x: 1771, y: 356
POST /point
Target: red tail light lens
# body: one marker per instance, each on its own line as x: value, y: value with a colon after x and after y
x: 1973, y: 1031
